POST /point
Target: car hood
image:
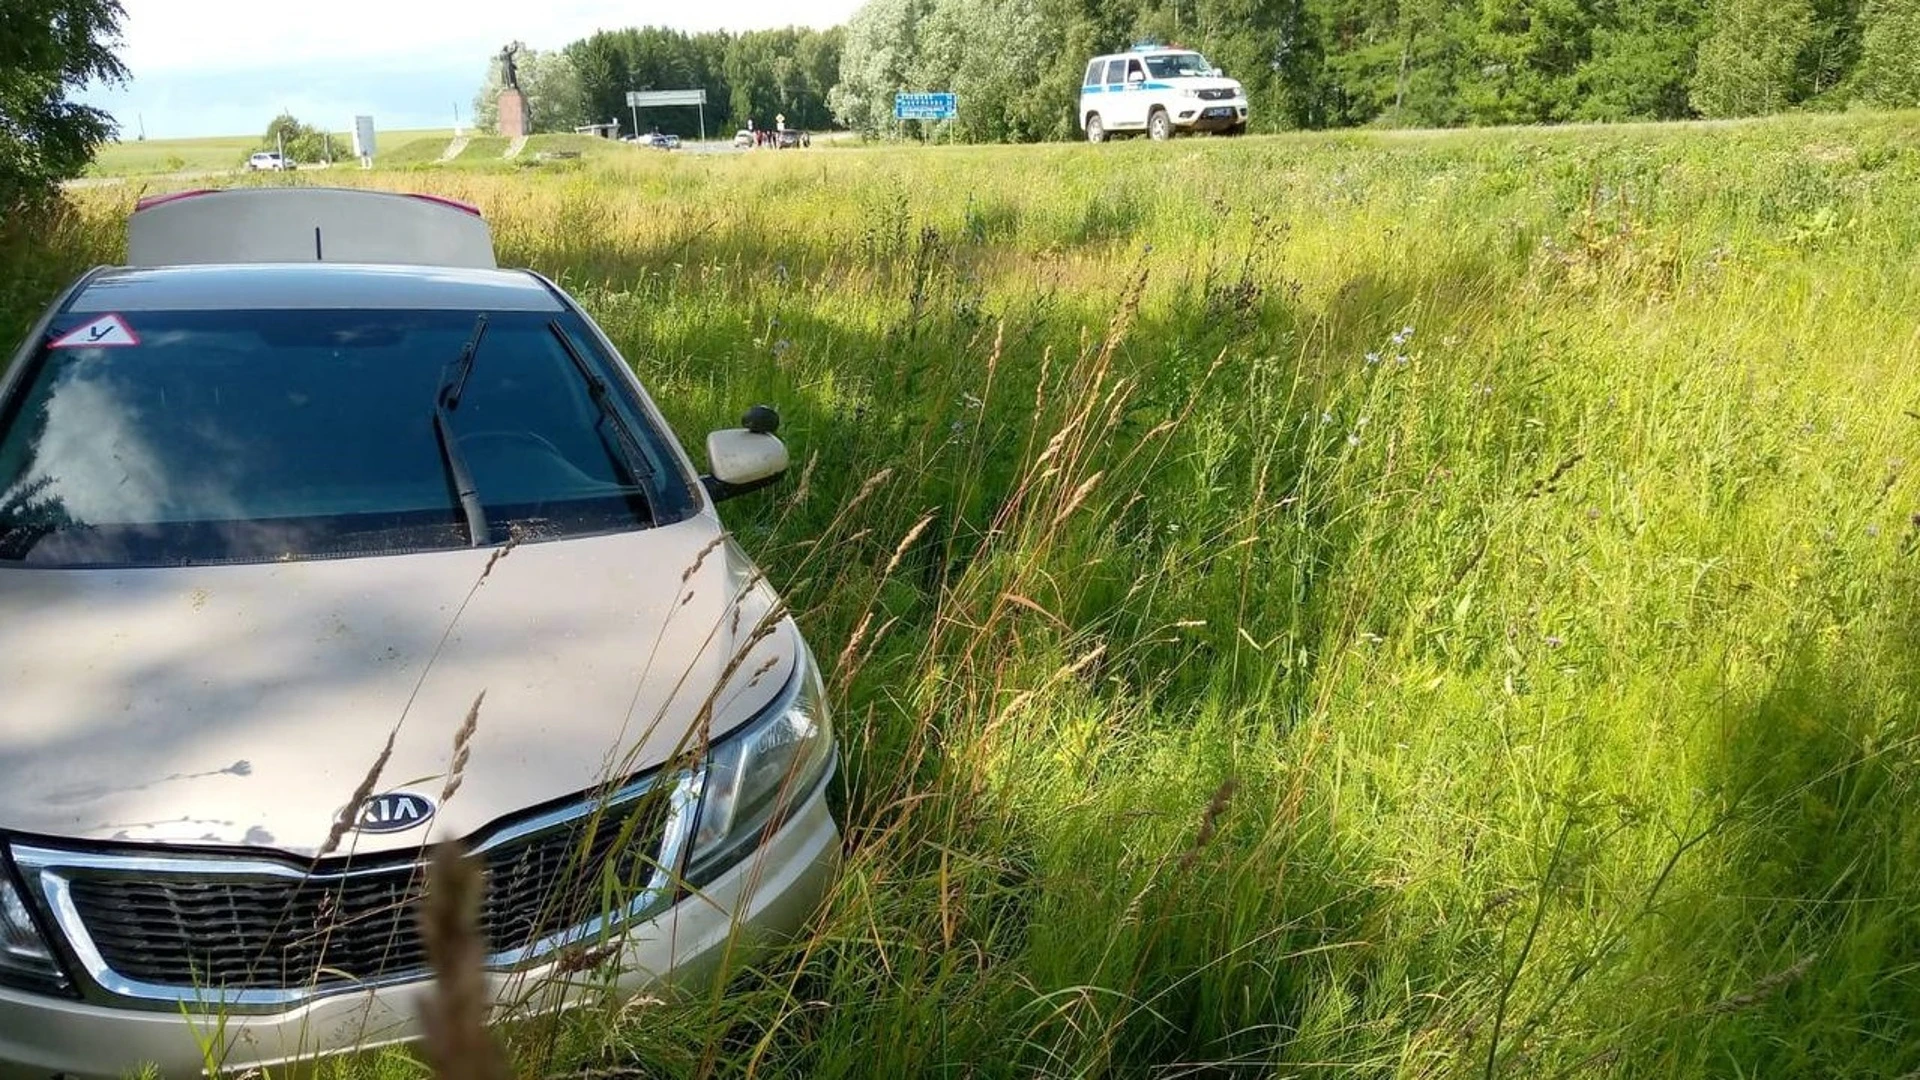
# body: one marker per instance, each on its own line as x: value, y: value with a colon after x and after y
x: 1205, y: 82
x: 243, y: 705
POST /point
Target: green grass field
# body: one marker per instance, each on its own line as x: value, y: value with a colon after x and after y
x: 161, y: 156
x: 1348, y: 605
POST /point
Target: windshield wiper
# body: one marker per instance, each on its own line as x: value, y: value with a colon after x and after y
x: 447, y: 399
x: 629, y: 449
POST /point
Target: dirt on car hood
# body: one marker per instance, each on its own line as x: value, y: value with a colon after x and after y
x: 243, y: 705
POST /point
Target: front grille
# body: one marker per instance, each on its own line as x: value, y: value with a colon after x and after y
x: 1216, y: 95
x: 356, y: 922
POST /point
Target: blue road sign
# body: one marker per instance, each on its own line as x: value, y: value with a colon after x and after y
x: 925, y: 106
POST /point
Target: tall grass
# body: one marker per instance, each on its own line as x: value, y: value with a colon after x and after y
x: 1326, y: 606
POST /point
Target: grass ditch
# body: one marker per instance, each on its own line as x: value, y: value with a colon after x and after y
x: 1325, y: 606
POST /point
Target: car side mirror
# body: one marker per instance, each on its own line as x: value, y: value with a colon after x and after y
x: 1219, y: 73
x: 1135, y: 76
x: 746, y: 458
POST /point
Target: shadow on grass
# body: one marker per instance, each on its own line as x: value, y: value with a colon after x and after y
x: 1808, y: 927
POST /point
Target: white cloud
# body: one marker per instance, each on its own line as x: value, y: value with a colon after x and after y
x: 410, y: 59
x: 198, y: 35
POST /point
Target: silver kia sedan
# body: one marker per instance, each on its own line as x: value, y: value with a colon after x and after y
x: 323, y: 540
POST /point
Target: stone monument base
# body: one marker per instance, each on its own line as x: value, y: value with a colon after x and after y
x: 515, y: 119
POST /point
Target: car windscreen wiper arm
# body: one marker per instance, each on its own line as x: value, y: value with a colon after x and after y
x: 444, y: 402
x: 455, y: 382
x: 636, y: 457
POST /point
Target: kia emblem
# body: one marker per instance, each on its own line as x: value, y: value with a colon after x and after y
x: 396, y: 811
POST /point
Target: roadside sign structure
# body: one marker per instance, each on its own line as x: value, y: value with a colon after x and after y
x: 928, y: 106
x: 363, y: 140
x: 940, y: 106
x: 650, y: 99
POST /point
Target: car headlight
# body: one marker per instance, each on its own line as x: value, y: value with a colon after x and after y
x: 756, y: 774
x: 25, y: 960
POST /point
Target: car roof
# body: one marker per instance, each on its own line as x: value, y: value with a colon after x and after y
x: 1137, y: 54
x: 312, y: 286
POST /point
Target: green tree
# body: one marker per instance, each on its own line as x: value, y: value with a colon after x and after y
x: 300, y: 142
x: 49, y: 49
x: 1641, y: 62
x: 881, y: 49
x: 1749, y: 62
x: 1890, y: 61
x: 552, y: 85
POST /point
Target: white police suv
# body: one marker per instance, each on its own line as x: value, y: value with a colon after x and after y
x: 1160, y: 91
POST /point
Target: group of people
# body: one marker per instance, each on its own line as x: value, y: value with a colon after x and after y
x: 770, y: 137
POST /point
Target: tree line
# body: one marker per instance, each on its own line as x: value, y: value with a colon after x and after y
x: 754, y: 76
x: 1017, y: 64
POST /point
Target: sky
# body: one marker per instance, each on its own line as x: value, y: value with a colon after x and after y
x: 227, y: 67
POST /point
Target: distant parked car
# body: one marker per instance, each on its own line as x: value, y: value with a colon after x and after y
x: 743, y: 137
x: 792, y: 137
x: 268, y: 161
x: 673, y: 141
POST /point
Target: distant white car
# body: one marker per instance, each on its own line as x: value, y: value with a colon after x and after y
x: 743, y: 137
x: 268, y: 161
x: 1160, y: 91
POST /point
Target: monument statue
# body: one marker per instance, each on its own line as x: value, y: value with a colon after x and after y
x: 515, y: 119
x: 509, y: 74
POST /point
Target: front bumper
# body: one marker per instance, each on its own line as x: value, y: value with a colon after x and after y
x: 766, y: 895
x: 1210, y: 115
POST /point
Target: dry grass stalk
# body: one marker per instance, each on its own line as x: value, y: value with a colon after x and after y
x: 1766, y: 987
x: 873, y: 482
x: 700, y: 558
x: 900, y: 549
x: 345, y: 820
x: 458, y: 1045
x: 859, y: 634
x: 1073, y: 501
x: 462, y: 749
x: 801, y: 489
x: 513, y: 541
x: 1209, y: 821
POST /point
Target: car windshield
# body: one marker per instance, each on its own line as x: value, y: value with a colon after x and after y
x: 234, y: 436
x: 1178, y: 65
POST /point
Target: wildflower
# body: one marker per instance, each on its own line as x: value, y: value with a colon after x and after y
x: 1373, y: 358
x: 780, y: 347
x: 1873, y: 530
x: 1353, y: 438
x: 1554, y: 641
x: 1401, y: 359
x: 1326, y: 418
x: 1403, y: 335
x: 1593, y: 513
